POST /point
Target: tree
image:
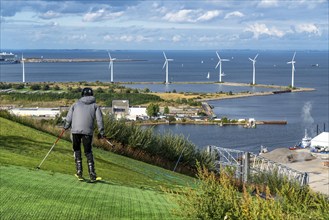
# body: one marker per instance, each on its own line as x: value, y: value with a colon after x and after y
x: 166, y: 110
x: 152, y: 109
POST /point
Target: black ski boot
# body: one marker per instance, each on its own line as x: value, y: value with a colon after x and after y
x: 91, y: 168
x: 78, y: 165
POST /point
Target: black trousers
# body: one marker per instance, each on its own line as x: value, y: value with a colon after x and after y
x: 86, y: 141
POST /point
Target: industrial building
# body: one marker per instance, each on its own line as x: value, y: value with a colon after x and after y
x: 321, y: 142
x: 36, y: 112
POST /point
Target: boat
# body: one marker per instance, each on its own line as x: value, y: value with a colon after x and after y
x: 208, y: 76
x: 306, y: 141
x: 8, y: 58
x: 263, y: 150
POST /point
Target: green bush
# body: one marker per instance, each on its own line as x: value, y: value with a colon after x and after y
x: 222, y: 197
x: 5, y: 85
x: 19, y: 86
x: 45, y: 87
x: 167, y: 146
x: 56, y: 88
x: 35, y: 87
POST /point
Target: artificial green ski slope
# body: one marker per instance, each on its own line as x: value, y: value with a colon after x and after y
x: 130, y: 190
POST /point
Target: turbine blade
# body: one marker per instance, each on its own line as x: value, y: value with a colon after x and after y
x: 217, y: 64
x: 225, y: 60
x: 218, y: 55
x: 294, y: 56
x: 251, y: 59
x: 256, y: 57
x: 165, y: 63
x: 164, y: 55
x: 289, y: 62
x: 109, y: 55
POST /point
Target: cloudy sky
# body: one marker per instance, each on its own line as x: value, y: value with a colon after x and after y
x: 193, y: 24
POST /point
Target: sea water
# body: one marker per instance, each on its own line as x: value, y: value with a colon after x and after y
x: 300, y: 110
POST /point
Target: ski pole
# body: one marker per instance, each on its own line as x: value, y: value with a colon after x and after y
x: 59, y: 137
x: 108, y: 142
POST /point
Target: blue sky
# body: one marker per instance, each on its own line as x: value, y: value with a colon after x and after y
x: 193, y: 24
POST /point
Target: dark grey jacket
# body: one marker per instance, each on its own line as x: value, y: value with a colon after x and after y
x: 81, y: 116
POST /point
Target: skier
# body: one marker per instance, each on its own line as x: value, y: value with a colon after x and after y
x: 80, y: 119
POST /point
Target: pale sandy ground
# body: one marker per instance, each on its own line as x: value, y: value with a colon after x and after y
x: 302, y: 160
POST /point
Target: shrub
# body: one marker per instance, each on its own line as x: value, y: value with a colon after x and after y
x: 221, y: 197
x: 19, y: 86
x: 45, y: 87
x: 99, y: 90
x: 5, y: 85
x: 56, y: 88
x: 35, y: 87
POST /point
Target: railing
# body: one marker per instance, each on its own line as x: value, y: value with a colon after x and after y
x: 261, y: 164
x: 246, y: 163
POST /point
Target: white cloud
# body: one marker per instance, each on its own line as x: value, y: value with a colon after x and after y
x: 209, y: 15
x: 49, y: 15
x: 308, y: 28
x: 192, y: 16
x: 126, y: 38
x: 180, y: 16
x: 78, y: 37
x: 268, y: 3
x: 261, y: 29
x: 108, y: 37
x: 206, y: 39
x: 100, y: 15
x: 176, y: 38
x: 234, y: 14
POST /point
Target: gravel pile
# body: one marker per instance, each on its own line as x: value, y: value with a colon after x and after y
x: 284, y: 155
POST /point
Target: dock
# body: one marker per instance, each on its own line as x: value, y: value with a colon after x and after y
x: 80, y: 60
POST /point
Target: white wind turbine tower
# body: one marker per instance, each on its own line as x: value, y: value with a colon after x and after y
x: 253, y: 69
x: 220, y: 66
x: 292, y: 69
x: 166, y: 64
x: 111, y: 65
x: 23, y: 68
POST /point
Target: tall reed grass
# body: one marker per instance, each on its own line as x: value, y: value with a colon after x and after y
x: 134, y: 141
x: 223, y: 197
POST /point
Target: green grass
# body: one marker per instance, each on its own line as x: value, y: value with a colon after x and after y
x: 30, y: 194
x: 131, y: 189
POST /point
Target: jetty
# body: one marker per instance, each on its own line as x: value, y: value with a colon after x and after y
x: 78, y: 60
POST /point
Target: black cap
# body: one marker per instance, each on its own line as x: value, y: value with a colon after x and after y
x: 87, y: 92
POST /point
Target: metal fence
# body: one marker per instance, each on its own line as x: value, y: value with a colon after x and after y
x: 246, y: 163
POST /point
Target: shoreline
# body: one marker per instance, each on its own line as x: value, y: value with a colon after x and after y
x: 76, y: 60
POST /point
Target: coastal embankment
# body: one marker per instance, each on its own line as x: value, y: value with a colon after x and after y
x: 277, y: 89
x: 76, y: 60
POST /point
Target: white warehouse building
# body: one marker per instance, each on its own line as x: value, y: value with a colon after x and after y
x: 36, y: 112
x: 136, y: 112
x: 321, y: 141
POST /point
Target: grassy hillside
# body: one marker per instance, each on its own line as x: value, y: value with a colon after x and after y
x: 131, y: 189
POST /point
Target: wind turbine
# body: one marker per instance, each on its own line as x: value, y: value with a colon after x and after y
x: 292, y: 69
x: 23, y: 68
x: 111, y: 65
x: 166, y: 64
x: 253, y: 69
x: 220, y: 66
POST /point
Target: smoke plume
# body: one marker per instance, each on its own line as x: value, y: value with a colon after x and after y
x: 307, y: 117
